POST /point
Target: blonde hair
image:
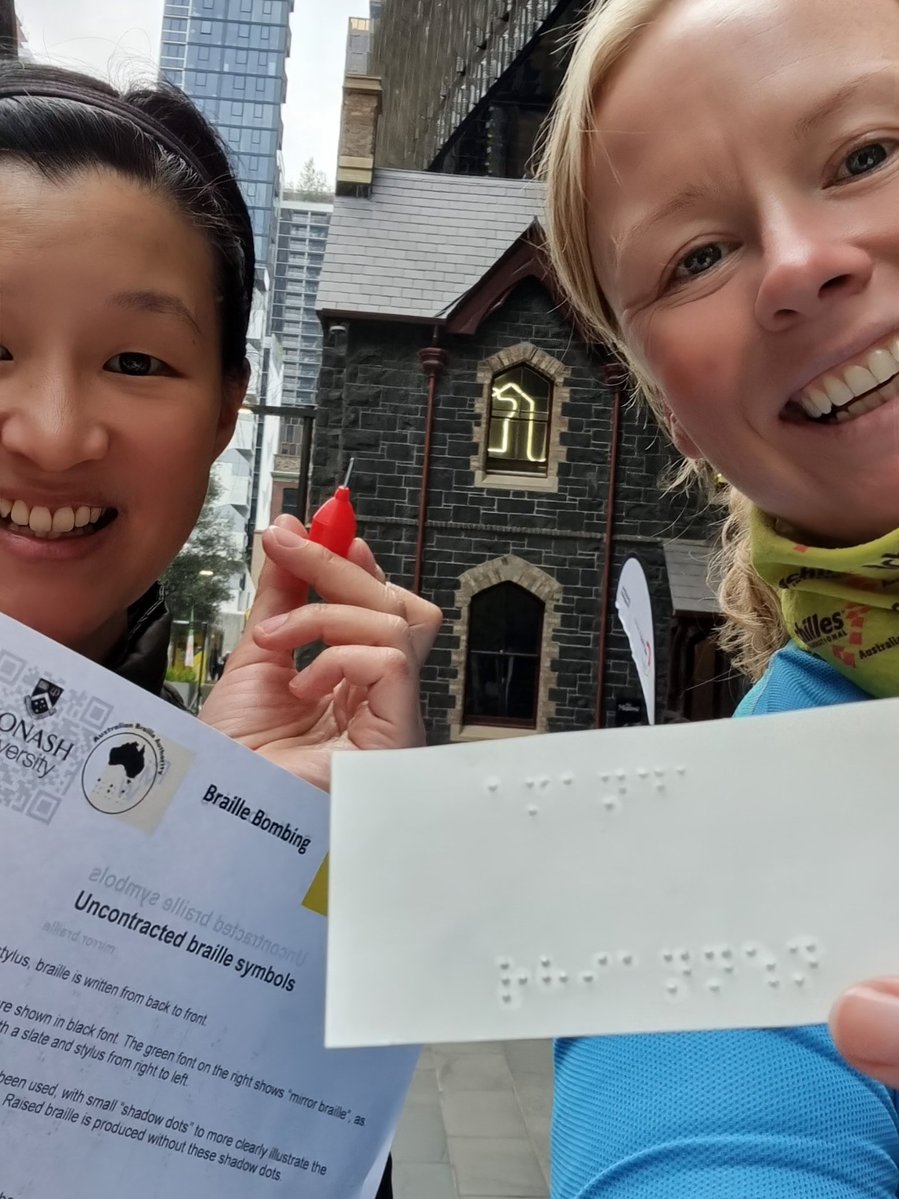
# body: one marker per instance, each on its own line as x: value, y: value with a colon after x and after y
x: 754, y: 628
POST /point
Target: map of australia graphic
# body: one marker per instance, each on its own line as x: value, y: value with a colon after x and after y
x: 120, y: 773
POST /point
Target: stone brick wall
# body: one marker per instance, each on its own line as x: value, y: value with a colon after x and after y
x: 373, y: 399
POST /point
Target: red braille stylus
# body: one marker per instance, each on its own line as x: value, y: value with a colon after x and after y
x: 334, y: 524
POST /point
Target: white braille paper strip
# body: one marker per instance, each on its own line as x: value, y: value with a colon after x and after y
x: 721, y: 875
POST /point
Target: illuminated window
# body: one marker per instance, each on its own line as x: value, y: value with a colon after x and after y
x: 502, y: 675
x: 518, y: 429
x: 521, y: 418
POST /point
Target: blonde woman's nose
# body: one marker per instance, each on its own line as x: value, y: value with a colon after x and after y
x: 805, y: 272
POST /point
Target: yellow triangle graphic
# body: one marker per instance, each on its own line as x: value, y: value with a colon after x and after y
x: 316, y: 899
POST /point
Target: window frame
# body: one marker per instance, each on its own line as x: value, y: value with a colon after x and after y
x: 557, y: 373
x: 492, y: 462
x: 474, y: 720
x: 508, y: 569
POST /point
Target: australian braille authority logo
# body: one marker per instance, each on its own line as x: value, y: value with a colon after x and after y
x: 122, y: 769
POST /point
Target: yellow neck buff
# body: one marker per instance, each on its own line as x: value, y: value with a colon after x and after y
x: 842, y: 605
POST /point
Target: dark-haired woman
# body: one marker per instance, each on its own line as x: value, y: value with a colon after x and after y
x: 126, y: 277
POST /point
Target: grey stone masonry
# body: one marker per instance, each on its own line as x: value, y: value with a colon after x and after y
x: 373, y: 405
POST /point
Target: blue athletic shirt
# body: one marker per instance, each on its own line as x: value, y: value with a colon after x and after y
x: 754, y: 1114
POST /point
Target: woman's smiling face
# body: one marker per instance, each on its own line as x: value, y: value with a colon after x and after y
x: 112, y: 401
x: 744, y: 194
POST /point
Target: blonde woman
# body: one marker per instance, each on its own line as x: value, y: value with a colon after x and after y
x: 723, y: 207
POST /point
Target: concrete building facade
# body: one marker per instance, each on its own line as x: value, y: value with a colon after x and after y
x: 302, y: 235
x: 468, y: 83
x: 9, y: 30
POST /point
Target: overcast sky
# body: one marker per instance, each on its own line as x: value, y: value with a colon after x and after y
x: 120, y: 40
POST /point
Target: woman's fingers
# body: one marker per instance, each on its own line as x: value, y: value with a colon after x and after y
x: 340, y: 581
x: 335, y: 624
x: 391, y: 684
x: 865, y: 1027
x: 360, y: 553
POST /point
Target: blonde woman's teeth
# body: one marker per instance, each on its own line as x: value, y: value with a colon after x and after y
x: 855, y: 389
x: 40, y: 521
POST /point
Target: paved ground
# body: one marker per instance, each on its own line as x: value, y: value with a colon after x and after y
x: 476, y: 1123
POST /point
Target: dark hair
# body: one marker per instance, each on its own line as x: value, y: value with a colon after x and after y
x: 58, y: 136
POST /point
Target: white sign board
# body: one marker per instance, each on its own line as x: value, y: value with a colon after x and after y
x: 718, y: 875
x: 634, y: 607
x: 162, y: 958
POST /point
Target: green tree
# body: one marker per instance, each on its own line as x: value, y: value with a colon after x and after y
x: 312, y: 183
x: 211, y: 546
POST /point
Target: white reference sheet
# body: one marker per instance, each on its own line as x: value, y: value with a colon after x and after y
x: 162, y: 957
x: 731, y: 874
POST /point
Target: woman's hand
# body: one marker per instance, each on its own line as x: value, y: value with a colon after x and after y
x: 361, y: 692
x: 865, y: 1027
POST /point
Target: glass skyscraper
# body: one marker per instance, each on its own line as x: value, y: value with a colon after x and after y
x: 229, y: 56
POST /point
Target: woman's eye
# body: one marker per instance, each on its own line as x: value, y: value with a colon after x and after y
x: 135, y: 364
x: 863, y: 160
x: 699, y: 262
x: 5, y: 355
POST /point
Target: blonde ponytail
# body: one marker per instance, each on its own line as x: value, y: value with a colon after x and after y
x: 754, y: 628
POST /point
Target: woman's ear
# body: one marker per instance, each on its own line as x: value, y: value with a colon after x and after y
x: 234, y: 391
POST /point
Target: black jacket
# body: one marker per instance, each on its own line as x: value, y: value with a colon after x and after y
x: 141, y: 658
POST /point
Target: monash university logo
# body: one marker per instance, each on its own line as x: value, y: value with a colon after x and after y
x: 43, y: 699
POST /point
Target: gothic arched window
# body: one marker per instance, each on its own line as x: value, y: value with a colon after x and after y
x: 518, y: 427
x: 502, y: 669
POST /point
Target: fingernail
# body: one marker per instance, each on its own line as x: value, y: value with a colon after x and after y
x: 273, y: 623
x: 285, y: 537
x: 867, y: 1021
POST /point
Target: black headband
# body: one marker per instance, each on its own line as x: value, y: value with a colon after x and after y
x: 147, y: 124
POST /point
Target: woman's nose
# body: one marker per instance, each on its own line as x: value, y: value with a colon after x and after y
x: 48, y: 422
x: 807, y: 269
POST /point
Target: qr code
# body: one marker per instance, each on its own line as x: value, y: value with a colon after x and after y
x: 47, y: 728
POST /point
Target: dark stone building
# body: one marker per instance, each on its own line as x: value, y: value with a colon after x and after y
x: 500, y: 469
x: 9, y: 30
x: 468, y: 83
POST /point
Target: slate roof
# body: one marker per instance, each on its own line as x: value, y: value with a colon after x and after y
x: 420, y: 242
x: 688, y: 567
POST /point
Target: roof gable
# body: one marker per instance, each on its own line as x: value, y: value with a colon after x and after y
x: 421, y: 242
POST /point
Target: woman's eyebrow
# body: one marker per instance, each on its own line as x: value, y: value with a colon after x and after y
x: 673, y: 206
x: 159, y: 302
x: 822, y: 113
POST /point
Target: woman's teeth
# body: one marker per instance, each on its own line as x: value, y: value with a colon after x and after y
x: 42, y: 522
x: 856, y: 389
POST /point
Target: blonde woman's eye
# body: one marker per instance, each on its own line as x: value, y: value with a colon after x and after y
x: 864, y: 159
x: 699, y: 262
x: 136, y: 365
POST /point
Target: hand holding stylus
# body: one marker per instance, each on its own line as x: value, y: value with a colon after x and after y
x: 362, y: 690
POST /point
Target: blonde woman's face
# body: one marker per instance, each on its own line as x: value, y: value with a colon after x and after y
x: 744, y: 193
